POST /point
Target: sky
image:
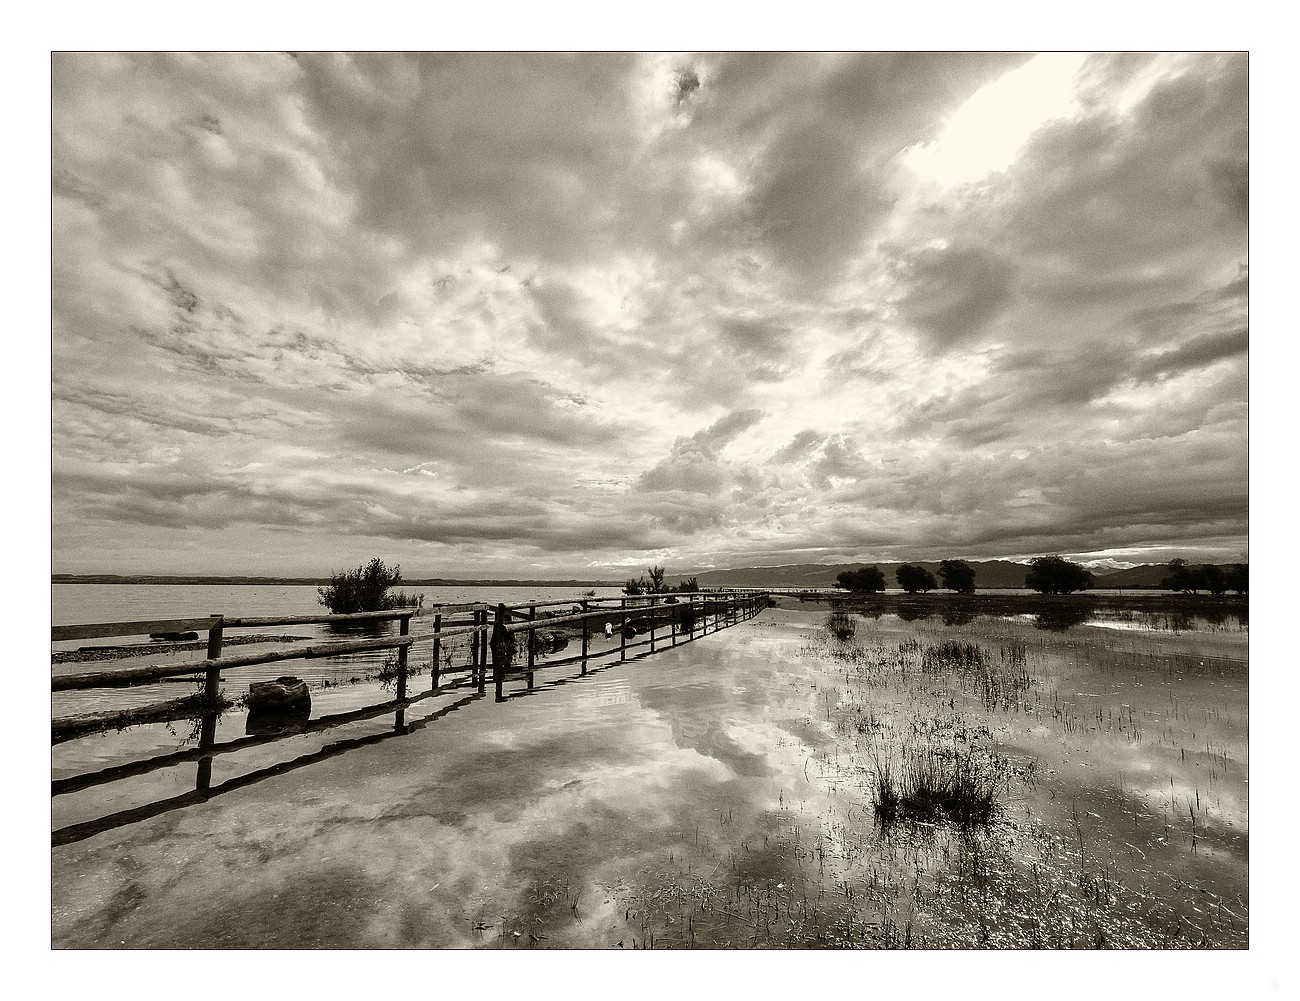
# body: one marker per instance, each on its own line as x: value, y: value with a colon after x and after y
x: 539, y: 315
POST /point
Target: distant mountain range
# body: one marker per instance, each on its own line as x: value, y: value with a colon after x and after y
x: 988, y: 573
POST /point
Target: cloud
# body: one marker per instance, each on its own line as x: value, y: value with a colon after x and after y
x: 695, y: 464
x: 478, y: 310
x: 955, y: 292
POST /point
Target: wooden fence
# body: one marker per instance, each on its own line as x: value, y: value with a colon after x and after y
x: 491, y: 631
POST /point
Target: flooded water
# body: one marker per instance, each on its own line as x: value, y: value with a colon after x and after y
x: 717, y: 794
x: 74, y: 604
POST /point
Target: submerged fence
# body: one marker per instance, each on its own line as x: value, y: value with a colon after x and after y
x: 491, y: 631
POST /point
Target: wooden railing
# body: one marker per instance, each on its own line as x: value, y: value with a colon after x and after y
x: 490, y: 630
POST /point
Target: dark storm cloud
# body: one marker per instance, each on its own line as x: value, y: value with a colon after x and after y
x: 953, y: 293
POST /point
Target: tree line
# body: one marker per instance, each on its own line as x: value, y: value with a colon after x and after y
x: 1052, y: 574
x: 1189, y: 579
x: 955, y: 575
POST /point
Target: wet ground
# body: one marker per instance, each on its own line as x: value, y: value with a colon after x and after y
x: 719, y: 794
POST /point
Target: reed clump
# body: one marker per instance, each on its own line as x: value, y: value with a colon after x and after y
x: 934, y: 783
x: 840, y: 624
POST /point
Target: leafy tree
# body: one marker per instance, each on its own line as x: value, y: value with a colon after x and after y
x: 912, y: 578
x: 634, y: 585
x: 957, y: 575
x: 656, y: 580
x: 1183, y: 577
x: 688, y: 586
x: 1237, y: 577
x: 1213, y: 578
x: 1056, y: 575
x: 365, y: 589
x: 868, y: 579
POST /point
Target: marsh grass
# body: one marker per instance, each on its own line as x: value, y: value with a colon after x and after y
x: 937, y: 783
x: 840, y: 624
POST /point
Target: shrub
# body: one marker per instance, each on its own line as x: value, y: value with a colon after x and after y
x: 912, y: 578
x: 366, y: 589
x: 868, y: 579
x: 1056, y: 575
x: 957, y: 575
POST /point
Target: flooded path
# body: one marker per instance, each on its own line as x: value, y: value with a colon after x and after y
x: 717, y: 794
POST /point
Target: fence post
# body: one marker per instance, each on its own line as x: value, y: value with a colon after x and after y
x: 436, y: 670
x: 473, y: 647
x: 586, y: 632
x: 211, y: 695
x: 622, y: 630
x: 652, y: 623
x: 403, y: 629
x: 532, y: 642
x: 502, y: 646
x: 481, y: 619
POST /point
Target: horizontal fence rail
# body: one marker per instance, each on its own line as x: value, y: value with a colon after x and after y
x: 508, y: 637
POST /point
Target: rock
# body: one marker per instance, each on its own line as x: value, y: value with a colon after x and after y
x: 283, y: 695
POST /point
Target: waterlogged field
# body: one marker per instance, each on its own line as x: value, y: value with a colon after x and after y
x: 1003, y: 781
x: 993, y: 784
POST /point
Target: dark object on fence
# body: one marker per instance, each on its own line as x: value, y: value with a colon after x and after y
x: 284, y: 694
x: 173, y: 636
x: 629, y: 631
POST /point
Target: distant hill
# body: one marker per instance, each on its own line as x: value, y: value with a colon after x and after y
x: 988, y: 574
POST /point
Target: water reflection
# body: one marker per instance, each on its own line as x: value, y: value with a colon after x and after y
x: 720, y: 796
x: 1059, y: 618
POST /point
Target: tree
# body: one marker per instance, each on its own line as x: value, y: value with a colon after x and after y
x: 1213, y: 578
x: 912, y: 578
x: 1183, y: 577
x: 689, y: 586
x: 1056, y: 575
x: 957, y: 575
x: 654, y: 584
x: 365, y: 589
x: 868, y: 579
x: 1237, y: 577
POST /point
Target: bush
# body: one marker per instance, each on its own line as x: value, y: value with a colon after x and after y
x: 1056, y: 575
x: 957, y: 575
x: 912, y: 578
x: 868, y: 579
x: 365, y: 589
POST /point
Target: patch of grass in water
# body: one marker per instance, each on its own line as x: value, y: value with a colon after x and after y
x: 840, y: 624
x: 939, y: 784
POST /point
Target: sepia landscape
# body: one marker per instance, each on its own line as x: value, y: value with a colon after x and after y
x: 670, y: 501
